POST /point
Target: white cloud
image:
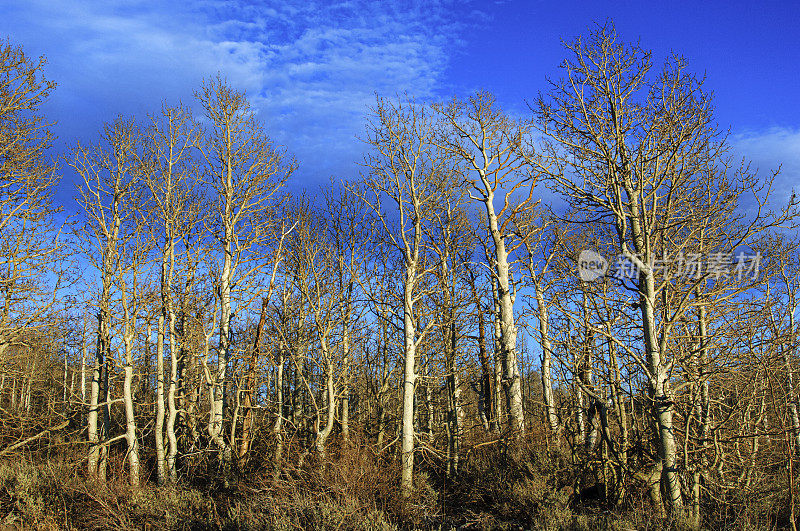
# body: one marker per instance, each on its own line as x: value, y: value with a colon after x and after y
x: 770, y: 150
x: 311, y: 69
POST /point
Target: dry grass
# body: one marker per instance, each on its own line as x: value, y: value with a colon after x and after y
x: 499, y: 487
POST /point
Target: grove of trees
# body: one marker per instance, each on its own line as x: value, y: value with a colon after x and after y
x: 419, y: 331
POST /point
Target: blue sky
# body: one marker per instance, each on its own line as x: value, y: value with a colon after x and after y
x: 311, y: 69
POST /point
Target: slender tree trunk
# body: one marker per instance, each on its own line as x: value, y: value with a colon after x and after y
x: 235, y: 415
x: 66, y: 392
x: 497, y: 401
x: 702, y: 413
x: 485, y: 403
x: 330, y: 402
x: 71, y: 388
x: 508, y: 329
x: 161, y: 476
x: 225, y: 286
x: 295, y: 401
x: 787, y: 354
x: 430, y: 417
x: 579, y: 415
x: 130, y: 424
x: 14, y: 397
x: 221, y: 381
x: 345, y: 418
x: 547, y: 363
x: 454, y: 398
x: 28, y: 389
x: 105, y: 417
x: 277, y: 427
x: 193, y: 398
x: 409, y: 384
x: 622, y: 416
x: 83, y: 374
x: 172, y: 408
x: 662, y: 398
x: 98, y: 419
x: 586, y: 377
x: 215, y: 426
x: 146, y: 370
x: 247, y: 400
x: 92, y: 425
x: 383, y: 389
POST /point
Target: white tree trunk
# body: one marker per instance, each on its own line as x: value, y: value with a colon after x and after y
x: 92, y: 417
x: 790, y: 391
x: 547, y: 361
x: 330, y: 401
x: 454, y: 402
x: 657, y: 367
x: 508, y: 329
x: 159, y: 429
x: 409, y: 383
x: 99, y: 410
x: 130, y: 425
x: 71, y: 387
x: 168, y: 316
x: 219, y: 390
x: 345, y: 418
x: 277, y: 427
x: 83, y: 374
x: 172, y: 453
x: 66, y: 373
x: 497, y: 398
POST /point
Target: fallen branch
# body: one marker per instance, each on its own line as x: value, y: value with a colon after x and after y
x: 39, y: 435
x: 485, y: 443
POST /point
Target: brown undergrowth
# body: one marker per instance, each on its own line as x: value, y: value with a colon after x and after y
x: 499, y: 486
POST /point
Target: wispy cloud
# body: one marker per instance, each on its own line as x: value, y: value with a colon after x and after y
x: 770, y: 150
x: 311, y: 69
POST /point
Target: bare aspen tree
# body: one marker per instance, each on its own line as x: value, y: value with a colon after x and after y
x: 313, y: 264
x: 318, y: 267
x: 251, y: 380
x: 27, y: 177
x: 207, y: 318
x: 110, y: 175
x: 277, y: 426
x: 348, y: 231
x: 486, y: 407
x: 247, y: 399
x: 30, y: 247
x: 638, y: 152
x: 171, y: 138
x: 296, y: 333
x: 490, y: 146
x: 378, y: 284
x: 406, y: 172
x: 128, y: 280
x: 245, y: 170
x: 161, y: 459
x: 497, y: 350
x: 282, y: 322
x: 540, y: 238
x: 783, y: 304
x: 451, y: 240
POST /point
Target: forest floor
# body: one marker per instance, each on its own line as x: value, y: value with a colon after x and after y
x: 355, y: 489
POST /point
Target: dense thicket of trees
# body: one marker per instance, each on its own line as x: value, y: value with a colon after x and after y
x: 428, y: 314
